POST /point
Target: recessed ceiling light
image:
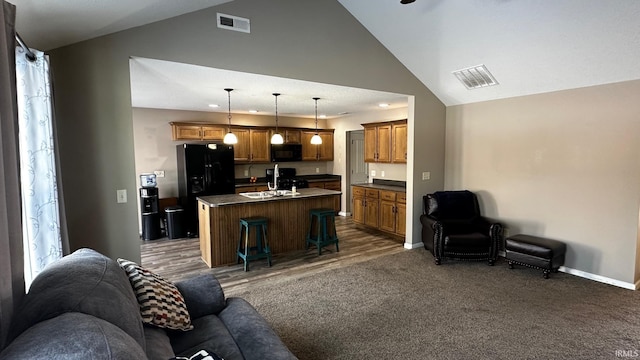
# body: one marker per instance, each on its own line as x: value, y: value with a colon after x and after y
x: 214, y: 105
x: 383, y: 105
x: 253, y: 111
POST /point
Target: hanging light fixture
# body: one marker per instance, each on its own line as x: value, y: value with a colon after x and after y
x: 230, y: 138
x: 316, y: 139
x: 277, y: 138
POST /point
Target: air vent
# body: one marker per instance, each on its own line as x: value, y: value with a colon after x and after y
x: 235, y: 23
x: 475, y: 77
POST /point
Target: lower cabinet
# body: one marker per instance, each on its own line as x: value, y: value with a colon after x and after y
x: 329, y: 185
x: 383, y: 210
x: 251, y: 188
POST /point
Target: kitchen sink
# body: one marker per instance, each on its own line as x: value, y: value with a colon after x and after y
x: 266, y: 194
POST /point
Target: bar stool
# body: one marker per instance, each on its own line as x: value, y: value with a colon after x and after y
x: 322, y: 237
x: 261, y: 250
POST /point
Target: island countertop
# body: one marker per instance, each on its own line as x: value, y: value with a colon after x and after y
x: 234, y: 199
x: 288, y: 221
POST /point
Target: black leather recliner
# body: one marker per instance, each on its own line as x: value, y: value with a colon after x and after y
x: 452, y: 227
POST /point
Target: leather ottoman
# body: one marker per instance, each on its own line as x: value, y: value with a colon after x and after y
x: 535, y: 252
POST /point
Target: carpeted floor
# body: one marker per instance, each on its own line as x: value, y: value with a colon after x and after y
x: 403, y: 306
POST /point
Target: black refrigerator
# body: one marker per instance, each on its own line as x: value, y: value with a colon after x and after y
x: 203, y: 169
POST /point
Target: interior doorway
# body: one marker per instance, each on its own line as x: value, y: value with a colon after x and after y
x: 357, y: 169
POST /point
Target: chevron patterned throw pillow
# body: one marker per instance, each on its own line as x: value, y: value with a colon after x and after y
x: 161, y: 304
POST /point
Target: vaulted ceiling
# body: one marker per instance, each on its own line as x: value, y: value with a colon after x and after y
x: 530, y: 46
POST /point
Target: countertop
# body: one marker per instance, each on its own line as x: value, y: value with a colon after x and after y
x: 382, y: 187
x: 262, y: 181
x: 233, y: 199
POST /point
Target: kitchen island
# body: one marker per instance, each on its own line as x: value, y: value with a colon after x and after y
x: 219, y: 221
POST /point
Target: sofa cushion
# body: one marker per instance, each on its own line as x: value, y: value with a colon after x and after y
x: 86, y: 282
x: 158, y: 343
x: 72, y: 336
x: 209, y: 334
x: 161, y: 303
x: 254, y: 336
x: 203, y: 295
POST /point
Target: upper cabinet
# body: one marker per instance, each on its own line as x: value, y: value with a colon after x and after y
x: 399, y: 142
x: 252, y: 146
x: 385, y: 142
x: 377, y: 142
x: 254, y: 142
x: 191, y: 131
x: 290, y: 136
x: 322, y: 152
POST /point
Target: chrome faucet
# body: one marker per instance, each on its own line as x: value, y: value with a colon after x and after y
x: 276, y: 175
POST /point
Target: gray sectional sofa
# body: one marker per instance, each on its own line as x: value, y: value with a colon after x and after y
x: 83, y: 307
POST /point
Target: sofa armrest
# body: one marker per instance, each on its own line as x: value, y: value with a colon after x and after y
x: 428, y: 232
x: 203, y: 295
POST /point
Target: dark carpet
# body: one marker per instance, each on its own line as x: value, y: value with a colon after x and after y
x: 403, y: 306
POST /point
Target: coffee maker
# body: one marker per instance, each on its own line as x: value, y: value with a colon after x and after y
x: 149, y: 207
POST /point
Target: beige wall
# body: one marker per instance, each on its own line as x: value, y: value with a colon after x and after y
x: 563, y: 165
x: 289, y: 38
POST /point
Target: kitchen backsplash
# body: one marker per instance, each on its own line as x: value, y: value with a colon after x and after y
x: 302, y: 168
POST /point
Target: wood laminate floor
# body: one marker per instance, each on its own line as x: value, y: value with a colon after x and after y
x: 180, y: 258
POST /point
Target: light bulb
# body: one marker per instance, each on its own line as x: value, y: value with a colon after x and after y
x: 277, y: 139
x: 230, y: 138
x: 316, y: 139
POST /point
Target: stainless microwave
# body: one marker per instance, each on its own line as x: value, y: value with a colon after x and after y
x: 286, y: 152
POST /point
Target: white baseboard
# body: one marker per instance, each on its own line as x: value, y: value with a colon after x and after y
x: 413, y: 246
x: 344, y: 213
x: 600, y: 278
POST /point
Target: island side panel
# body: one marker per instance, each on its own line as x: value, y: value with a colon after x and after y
x: 286, y: 230
x: 204, y: 231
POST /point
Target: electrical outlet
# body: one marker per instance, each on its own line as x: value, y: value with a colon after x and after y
x: 373, y: 173
x: 159, y: 173
x: 246, y: 173
x: 505, y: 232
x: 317, y: 170
x: 121, y: 196
x: 382, y: 173
x: 426, y: 175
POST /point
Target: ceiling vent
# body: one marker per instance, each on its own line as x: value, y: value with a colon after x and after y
x: 234, y: 23
x: 475, y: 77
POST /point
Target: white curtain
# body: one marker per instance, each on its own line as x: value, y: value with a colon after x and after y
x: 38, y: 176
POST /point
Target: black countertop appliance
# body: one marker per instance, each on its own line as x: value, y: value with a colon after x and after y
x: 287, y: 179
x: 203, y: 169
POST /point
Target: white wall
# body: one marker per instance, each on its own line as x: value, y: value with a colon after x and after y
x: 563, y: 165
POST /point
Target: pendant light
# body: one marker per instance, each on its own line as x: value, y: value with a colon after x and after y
x: 316, y: 139
x: 230, y: 138
x: 277, y: 139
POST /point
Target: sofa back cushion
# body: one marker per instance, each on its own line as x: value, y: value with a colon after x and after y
x: 85, y: 282
x: 74, y: 336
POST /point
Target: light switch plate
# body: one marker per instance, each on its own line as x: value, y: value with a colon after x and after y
x: 122, y: 196
x: 382, y: 173
x: 426, y: 175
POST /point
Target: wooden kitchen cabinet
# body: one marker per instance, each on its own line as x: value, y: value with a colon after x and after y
x: 187, y: 131
x: 290, y: 136
x: 328, y: 185
x: 365, y: 206
x: 252, y: 146
x: 251, y: 188
x: 377, y: 142
x: 385, y: 142
x: 322, y: 152
x: 399, y: 142
x: 383, y: 210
